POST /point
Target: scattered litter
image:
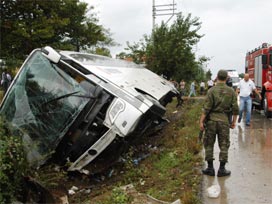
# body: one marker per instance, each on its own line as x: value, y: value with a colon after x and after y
x: 110, y: 173
x: 74, y: 188
x: 102, y: 178
x: 121, y: 159
x: 71, y: 192
x: 136, y: 161
x: 143, y: 198
x: 213, y: 191
x: 175, y: 111
x: 85, y: 190
x: 142, y: 182
x: 84, y: 171
x: 57, y: 168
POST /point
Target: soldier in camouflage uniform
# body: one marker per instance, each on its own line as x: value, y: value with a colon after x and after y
x: 220, y: 101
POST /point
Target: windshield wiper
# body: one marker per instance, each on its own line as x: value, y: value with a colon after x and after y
x: 67, y: 95
x: 60, y: 97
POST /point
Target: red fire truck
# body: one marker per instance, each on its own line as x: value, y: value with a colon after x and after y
x: 259, y: 68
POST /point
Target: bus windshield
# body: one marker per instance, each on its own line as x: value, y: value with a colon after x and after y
x: 42, y: 104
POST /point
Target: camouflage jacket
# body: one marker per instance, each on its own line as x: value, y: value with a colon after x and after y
x: 220, y: 101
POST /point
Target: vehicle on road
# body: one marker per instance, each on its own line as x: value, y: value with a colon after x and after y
x: 234, y: 77
x: 259, y: 67
x: 69, y: 107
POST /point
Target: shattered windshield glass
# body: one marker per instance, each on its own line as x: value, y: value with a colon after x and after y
x: 43, y: 103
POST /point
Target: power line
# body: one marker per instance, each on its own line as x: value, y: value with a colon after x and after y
x: 163, y: 10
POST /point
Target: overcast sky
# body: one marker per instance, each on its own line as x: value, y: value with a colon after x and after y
x: 231, y: 27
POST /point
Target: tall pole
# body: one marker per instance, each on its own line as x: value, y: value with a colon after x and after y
x: 163, y: 10
x: 153, y: 14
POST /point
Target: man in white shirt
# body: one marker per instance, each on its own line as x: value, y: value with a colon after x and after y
x: 245, y: 87
x: 210, y: 83
x: 202, y: 87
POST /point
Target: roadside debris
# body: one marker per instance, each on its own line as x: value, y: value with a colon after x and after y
x: 140, y: 158
x: 213, y: 191
x: 140, y: 198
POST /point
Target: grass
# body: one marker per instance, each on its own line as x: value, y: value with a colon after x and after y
x: 175, y: 169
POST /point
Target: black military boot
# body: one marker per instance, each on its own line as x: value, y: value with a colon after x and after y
x: 222, y: 171
x: 209, y: 170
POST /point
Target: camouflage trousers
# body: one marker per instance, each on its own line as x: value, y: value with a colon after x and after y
x: 221, y: 129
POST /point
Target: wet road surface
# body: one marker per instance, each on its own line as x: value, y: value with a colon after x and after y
x: 250, y: 162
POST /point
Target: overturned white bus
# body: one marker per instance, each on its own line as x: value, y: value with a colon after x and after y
x: 70, y: 106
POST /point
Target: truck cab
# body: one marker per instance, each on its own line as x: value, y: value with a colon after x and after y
x: 234, y: 77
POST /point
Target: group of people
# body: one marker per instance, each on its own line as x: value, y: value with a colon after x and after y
x: 182, y: 89
x: 221, y: 100
x: 202, y: 85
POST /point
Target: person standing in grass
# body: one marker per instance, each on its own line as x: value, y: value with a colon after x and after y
x: 192, y: 89
x: 210, y: 83
x: 182, y: 87
x: 202, y: 87
x: 220, y: 101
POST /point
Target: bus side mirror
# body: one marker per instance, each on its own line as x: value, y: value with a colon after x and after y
x: 51, y: 54
x: 264, y: 61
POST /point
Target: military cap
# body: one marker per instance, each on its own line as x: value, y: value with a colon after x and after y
x: 222, y: 74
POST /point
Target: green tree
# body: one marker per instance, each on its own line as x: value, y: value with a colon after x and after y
x: 241, y: 75
x: 137, y: 51
x: 169, y: 50
x: 121, y: 55
x: 102, y: 51
x: 83, y: 31
x: 208, y: 74
x: 63, y: 24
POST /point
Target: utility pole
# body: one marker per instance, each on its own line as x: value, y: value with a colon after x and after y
x: 163, y: 10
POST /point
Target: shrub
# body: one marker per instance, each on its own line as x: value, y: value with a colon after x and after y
x: 13, y: 164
